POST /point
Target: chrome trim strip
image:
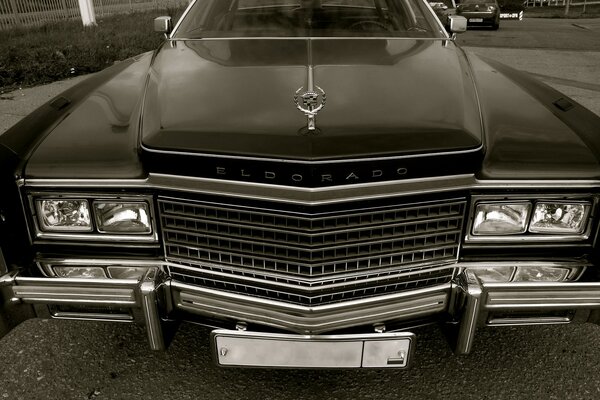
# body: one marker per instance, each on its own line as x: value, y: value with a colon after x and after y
x: 81, y: 282
x: 82, y: 316
x: 309, y: 310
x: 100, y: 263
x: 102, y: 292
x: 310, y: 319
x: 528, y: 321
x: 425, y: 39
x: 315, y: 196
x: 74, y: 295
x: 312, y: 196
x: 185, y: 13
x: 541, y: 296
x: 315, y: 162
x: 320, y: 283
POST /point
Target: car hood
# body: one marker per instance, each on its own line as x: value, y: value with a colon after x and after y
x: 172, y: 112
x: 383, y: 97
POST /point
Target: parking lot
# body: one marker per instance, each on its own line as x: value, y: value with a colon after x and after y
x: 78, y: 360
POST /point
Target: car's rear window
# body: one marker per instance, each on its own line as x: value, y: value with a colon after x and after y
x: 302, y: 18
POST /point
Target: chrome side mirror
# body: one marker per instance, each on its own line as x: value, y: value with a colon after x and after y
x: 163, y: 25
x: 458, y: 24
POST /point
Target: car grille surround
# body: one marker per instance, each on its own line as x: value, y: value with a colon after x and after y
x: 312, y: 256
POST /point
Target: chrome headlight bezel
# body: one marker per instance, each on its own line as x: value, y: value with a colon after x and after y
x: 529, y: 235
x: 94, y: 233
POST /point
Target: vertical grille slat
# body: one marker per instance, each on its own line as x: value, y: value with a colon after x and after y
x: 358, y: 252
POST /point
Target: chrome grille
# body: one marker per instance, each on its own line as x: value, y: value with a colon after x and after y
x: 312, y: 257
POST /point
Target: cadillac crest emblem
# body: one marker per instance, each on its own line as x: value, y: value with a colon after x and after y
x: 310, y: 102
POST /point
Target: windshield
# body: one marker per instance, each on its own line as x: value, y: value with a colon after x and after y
x: 307, y: 18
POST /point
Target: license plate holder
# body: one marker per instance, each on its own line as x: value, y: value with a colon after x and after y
x: 256, y: 349
x: 475, y: 19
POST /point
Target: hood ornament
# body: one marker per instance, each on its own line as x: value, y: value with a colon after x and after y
x: 311, y: 100
x: 310, y: 103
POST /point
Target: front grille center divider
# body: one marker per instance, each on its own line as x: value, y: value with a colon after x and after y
x: 312, y: 257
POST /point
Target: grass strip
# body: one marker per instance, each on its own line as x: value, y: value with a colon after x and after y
x: 44, y: 54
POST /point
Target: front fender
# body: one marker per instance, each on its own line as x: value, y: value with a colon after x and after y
x: 532, y: 128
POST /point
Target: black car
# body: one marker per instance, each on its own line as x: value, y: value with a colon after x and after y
x: 480, y: 13
x: 314, y: 179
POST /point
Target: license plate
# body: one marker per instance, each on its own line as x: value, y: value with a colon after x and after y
x: 252, y: 349
x: 475, y: 19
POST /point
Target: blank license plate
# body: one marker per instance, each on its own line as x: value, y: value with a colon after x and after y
x: 251, y: 349
x: 475, y: 19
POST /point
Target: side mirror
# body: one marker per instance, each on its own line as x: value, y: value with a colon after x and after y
x: 457, y: 23
x: 163, y: 25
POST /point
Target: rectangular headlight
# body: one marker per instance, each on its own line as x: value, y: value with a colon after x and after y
x: 122, y: 217
x: 64, y: 215
x: 559, y: 217
x: 501, y: 218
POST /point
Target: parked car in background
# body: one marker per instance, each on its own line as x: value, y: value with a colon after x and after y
x: 444, y: 9
x: 480, y: 13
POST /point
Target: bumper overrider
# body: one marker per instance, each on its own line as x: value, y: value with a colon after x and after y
x: 462, y: 305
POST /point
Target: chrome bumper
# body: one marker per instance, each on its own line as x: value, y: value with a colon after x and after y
x: 139, y: 296
x: 466, y: 301
x: 476, y: 302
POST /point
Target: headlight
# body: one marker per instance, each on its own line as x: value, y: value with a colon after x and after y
x: 120, y: 217
x: 500, y: 218
x: 64, y: 215
x: 558, y: 217
x: 530, y: 219
x: 94, y: 217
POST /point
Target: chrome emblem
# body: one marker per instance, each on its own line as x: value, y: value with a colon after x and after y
x: 310, y: 103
